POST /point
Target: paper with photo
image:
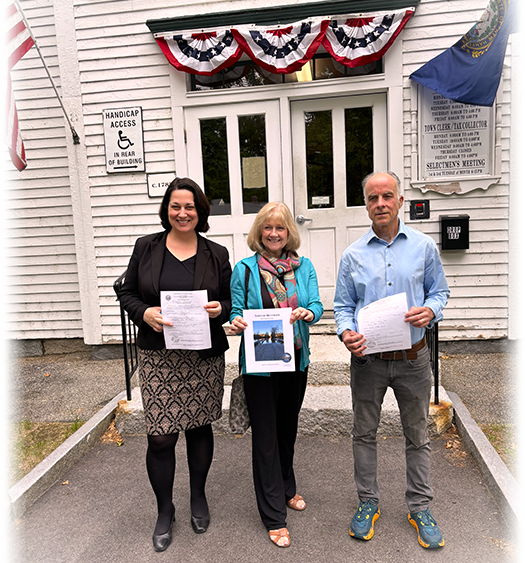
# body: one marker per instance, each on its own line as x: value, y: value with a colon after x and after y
x: 383, y: 324
x: 268, y: 340
x: 191, y: 325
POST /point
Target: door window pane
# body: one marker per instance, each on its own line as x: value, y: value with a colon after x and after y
x: 319, y: 159
x: 215, y: 165
x: 359, y: 152
x: 254, y: 171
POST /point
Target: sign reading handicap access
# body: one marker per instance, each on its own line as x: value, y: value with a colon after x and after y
x: 123, y: 140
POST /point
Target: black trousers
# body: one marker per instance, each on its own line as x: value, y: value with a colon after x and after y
x: 274, y: 403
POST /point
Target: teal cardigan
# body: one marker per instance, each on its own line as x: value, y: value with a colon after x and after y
x: 307, y: 294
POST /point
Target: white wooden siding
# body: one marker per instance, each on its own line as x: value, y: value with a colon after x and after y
x: 42, y: 278
x: 115, y: 47
x: 478, y: 277
x: 121, y: 65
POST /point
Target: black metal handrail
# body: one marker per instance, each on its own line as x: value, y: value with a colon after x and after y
x: 433, y: 346
x: 129, y: 338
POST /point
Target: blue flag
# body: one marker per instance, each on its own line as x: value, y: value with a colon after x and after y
x: 470, y: 71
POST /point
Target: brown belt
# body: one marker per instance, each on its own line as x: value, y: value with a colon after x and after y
x: 410, y: 354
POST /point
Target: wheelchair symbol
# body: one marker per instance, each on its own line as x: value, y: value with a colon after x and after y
x: 123, y: 141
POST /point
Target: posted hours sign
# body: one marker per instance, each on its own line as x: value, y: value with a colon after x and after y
x: 123, y: 140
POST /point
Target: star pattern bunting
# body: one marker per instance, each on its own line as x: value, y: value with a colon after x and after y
x: 201, y: 53
x: 353, y: 40
x: 282, y: 50
x: 359, y: 41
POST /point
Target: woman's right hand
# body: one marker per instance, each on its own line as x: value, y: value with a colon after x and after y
x: 155, y: 320
x: 237, y: 326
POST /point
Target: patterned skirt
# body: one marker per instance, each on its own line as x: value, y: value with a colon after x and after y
x: 180, y: 390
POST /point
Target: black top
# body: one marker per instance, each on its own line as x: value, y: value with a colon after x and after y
x: 266, y: 297
x: 176, y: 275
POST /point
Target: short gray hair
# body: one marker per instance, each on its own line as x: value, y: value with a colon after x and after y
x: 391, y: 174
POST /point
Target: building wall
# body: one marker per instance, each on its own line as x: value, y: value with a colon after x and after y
x: 478, y: 277
x: 81, y: 219
x: 115, y: 48
x: 42, y: 278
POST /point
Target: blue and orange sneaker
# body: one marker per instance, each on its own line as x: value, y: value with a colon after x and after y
x: 362, y: 526
x: 428, y: 534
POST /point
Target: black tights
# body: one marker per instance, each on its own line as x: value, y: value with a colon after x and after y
x: 160, y: 463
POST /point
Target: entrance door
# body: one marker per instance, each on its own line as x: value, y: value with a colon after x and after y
x: 336, y: 143
x: 234, y: 154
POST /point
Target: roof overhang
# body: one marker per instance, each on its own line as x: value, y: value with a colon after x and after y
x: 282, y: 14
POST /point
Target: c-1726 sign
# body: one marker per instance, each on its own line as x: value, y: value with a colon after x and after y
x: 123, y: 140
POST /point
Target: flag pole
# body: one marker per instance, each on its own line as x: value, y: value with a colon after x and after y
x: 76, y: 138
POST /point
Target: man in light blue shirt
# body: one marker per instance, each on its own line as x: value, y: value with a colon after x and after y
x: 390, y: 259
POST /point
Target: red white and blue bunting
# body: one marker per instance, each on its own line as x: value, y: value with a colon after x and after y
x: 362, y: 40
x: 282, y: 50
x: 353, y: 40
x: 203, y: 53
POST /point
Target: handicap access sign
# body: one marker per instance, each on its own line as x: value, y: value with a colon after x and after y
x: 123, y: 139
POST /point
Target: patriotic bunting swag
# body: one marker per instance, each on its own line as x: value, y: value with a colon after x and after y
x: 201, y: 53
x: 352, y: 40
x: 19, y: 41
x: 360, y: 41
x: 282, y: 50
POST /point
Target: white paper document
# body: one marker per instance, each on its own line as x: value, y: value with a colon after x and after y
x: 383, y: 324
x: 268, y: 340
x: 191, y: 326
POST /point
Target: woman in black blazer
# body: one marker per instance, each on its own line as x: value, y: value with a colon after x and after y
x: 181, y: 390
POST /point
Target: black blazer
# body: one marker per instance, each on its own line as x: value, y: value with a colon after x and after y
x: 140, y: 289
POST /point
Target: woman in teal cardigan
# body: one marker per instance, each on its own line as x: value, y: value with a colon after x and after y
x: 276, y: 277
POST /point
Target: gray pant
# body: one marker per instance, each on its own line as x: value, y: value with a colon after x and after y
x: 411, y: 381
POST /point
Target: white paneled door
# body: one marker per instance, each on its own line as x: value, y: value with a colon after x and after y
x: 234, y: 153
x: 336, y: 142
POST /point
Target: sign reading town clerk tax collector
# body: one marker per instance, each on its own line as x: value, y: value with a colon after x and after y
x: 457, y: 139
x: 123, y: 139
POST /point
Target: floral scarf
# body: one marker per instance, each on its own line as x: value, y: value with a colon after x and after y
x: 279, y: 276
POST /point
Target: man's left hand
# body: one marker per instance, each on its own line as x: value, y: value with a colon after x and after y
x: 419, y: 317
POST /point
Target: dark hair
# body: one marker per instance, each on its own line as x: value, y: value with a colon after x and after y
x: 202, y: 204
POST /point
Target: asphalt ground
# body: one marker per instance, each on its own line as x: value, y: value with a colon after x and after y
x: 62, y: 387
x: 486, y: 383
x: 103, y: 510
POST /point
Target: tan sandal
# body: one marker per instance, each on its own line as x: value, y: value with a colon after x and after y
x: 277, y: 536
x: 294, y: 503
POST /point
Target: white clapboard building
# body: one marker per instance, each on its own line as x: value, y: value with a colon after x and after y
x: 143, y: 114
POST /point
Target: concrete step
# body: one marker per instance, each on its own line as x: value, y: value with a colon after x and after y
x: 327, y: 405
x: 326, y: 411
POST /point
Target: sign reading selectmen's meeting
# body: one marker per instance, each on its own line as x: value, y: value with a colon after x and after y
x: 123, y: 140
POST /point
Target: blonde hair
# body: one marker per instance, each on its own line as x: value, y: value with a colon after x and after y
x: 280, y: 212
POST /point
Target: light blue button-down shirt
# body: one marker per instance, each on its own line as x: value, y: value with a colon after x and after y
x: 372, y: 268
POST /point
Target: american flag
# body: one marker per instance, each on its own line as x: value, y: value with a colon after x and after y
x: 19, y: 41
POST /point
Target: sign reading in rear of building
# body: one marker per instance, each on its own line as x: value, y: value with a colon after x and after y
x: 123, y: 139
x: 457, y: 138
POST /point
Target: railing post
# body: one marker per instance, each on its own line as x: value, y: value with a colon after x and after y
x: 126, y: 357
x: 129, y: 339
x: 435, y: 367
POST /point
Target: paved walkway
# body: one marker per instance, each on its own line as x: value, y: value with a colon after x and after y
x: 103, y: 510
